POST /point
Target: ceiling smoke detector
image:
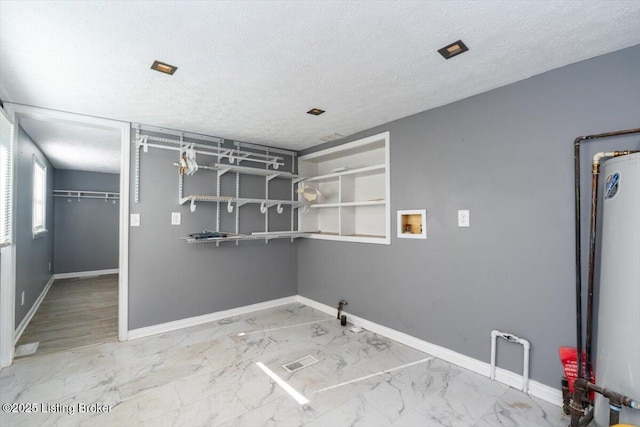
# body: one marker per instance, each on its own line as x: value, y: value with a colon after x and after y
x: 164, y: 68
x: 455, y: 48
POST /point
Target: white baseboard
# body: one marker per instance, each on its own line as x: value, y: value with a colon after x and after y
x: 32, y: 311
x: 206, y: 318
x: 539, y: 390
x: 81, y: 274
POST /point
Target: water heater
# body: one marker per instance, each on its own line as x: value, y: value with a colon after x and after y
x: 618, y: 356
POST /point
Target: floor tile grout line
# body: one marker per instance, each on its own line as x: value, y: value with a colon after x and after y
x: 375, y: 374
x: 262, y: 331
x: 282, y: 383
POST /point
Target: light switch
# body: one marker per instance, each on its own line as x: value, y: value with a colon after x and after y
x: 463, y: 218
x: 175, y: 218
x: 135, y: 220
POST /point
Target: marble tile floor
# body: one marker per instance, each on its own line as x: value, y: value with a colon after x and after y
x: 207, y: 376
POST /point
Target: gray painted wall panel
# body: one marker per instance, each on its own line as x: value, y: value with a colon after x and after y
x: 170, y: 279
x: 32, y: 255
x: 507, y: 156
x: 86, y: 237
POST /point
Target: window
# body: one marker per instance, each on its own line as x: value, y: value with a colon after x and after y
x: 39, y: 197
x: 6, y: 174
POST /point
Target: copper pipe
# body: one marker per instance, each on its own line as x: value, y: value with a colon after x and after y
x: 566, y: 396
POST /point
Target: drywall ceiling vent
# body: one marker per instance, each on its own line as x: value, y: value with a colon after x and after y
x: 163, y: 68
x: 296, y: 365
x: 333, y: 137
x: 454, y: 49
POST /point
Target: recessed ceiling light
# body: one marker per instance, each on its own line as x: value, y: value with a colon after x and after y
x: 163, y: 68
x: 453, y: 49
x: 315, y: 111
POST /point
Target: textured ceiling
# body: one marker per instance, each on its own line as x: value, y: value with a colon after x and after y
x: 76, y: 147
x: 250, y: 70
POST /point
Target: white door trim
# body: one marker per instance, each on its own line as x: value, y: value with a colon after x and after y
x: 16, y: 112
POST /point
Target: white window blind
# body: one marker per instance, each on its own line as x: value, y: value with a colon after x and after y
x: 39, y: 196
x: 6, y: 178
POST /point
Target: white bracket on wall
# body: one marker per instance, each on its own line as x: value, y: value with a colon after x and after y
x: 511, y: 338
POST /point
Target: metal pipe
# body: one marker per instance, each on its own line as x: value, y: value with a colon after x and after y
x: 578, y: 248
x: 576, y: 408
x: 566, y: 396
x: 341, y: 305
x: 616, y: 401
x: 586, y: 419
x: 613, y: 396
x: 595, y: 173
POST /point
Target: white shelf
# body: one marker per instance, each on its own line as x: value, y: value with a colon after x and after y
x: 239, y: 200
x: 247, y: 170
x: 347, y: 204
x: 232, y: 237
x: 83, y: 194
x: 353, y: 181
x: 233, y: 155
x: 357, y: 238
x: 368, y: 170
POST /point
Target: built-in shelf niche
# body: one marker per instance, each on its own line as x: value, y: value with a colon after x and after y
x: 353, y: 180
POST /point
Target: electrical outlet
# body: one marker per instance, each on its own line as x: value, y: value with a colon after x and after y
x: 135, y: 220
x: 22, y: 297
x: 175, y: 218
x: 463, y: 218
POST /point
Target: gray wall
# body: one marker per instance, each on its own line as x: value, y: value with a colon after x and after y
x: 170, y: 279
x: 32, y: 255
x: 86, y: 237
x: 507, y: 156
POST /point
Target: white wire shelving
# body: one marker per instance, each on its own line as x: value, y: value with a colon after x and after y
x: 226, y: 159
x: 239, y: 201
x: 107, y: 196
x: 232, y: 237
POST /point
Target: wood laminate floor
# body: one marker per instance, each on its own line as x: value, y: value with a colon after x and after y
x: 75, y: 313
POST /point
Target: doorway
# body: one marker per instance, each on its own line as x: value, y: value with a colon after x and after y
x: 68, y: 265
